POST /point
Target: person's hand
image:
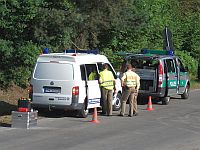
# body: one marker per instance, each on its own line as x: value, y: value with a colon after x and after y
x: 115, y: 90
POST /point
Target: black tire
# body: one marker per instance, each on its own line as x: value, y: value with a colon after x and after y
x: 165, y: 100
x: 117, y: 104
x: 186, y: 94
x: 83, y: 113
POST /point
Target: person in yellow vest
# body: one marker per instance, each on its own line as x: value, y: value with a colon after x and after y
x: 107, y: 84
x: 93, y: 75
x: 130, y: 82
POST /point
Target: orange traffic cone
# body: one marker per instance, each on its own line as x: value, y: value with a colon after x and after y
x: 94, y: 116
x: 149, y: 106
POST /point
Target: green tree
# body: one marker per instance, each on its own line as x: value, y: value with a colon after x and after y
x: 53, y: 25
x: 6, y: 51
x: 16, y: 17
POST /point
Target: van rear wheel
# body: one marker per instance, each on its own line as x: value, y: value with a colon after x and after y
x: 83, y: 112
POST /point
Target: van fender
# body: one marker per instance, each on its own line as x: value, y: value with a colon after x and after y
x: 186, y: 94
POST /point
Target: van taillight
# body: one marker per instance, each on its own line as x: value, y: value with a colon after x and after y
x: 160, y: 74
x: 30, y: 89
x: 75, y: 91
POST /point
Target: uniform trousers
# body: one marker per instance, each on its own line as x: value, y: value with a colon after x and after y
x: 131, y: 94
x: 107, y: 98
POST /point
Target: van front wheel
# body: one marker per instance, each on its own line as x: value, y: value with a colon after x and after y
x: 185, y: 95
x: 117, y: 103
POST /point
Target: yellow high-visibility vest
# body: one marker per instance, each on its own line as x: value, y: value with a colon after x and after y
x: 107, y: 79
x: 92, y: 76
x: 130, y: 79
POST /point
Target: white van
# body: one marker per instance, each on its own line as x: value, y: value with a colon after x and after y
x: 61, y: 81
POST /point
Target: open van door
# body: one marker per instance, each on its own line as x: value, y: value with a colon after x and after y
x: 93, y: 89
x: 172, y: 77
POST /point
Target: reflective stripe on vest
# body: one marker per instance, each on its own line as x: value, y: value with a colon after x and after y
x: 130, y: 80
x: 107, y: 79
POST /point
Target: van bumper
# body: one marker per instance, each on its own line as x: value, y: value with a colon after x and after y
x: 160, y: 93
x: 58, y: 107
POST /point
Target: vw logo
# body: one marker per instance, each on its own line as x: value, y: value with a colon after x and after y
x: 51, y: 83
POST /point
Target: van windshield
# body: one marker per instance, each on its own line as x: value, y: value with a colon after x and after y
x: 56, y: 71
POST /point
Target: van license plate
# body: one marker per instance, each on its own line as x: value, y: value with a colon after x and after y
x: 52, y: 90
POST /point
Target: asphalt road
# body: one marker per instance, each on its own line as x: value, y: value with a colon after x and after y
x: 169, y: 127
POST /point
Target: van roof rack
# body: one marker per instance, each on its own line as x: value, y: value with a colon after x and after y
x: 122, y: 53
x: 82, y: 51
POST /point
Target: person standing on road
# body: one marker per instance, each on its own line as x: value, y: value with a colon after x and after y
x: 107, y: 84
x: 130, y: 82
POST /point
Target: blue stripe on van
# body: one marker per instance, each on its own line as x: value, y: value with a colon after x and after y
x: 94, y: 101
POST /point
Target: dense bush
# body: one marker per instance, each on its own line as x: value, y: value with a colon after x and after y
x: 190, y: 62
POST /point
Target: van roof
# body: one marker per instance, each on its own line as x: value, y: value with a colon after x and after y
x: 148, y: 56
x: 72, y: 57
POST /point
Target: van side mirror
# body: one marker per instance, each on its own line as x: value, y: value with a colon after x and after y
x: 119, y: 75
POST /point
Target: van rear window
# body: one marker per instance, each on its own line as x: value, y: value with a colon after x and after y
x: 56, y: 71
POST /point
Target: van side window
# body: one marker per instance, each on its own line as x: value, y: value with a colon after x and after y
x: 91, y: 70
x: 100, y: 67
x: 170, y: 65
x: 83, y: 74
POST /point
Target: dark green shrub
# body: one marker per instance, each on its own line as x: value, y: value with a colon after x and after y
x: 190, y: 62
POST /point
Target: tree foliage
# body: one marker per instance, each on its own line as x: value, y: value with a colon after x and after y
x: 27, y: 26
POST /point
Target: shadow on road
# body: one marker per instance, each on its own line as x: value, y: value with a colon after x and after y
x: 5, y: 113
x: 56, y: 113
x: 6, y: 108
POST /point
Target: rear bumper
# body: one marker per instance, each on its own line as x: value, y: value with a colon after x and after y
x: 58, y: 107
x: 160, y: 93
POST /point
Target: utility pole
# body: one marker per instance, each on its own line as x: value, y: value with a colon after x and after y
x: 167, y: 42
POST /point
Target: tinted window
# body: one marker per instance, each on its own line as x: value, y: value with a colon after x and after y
x: 100, y: 67
x: 170, y: 65
x: 91, y: 70
x: 54, y: 71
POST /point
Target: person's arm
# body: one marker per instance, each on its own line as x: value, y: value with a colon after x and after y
x: 138, y: 82
x: 122, y: 79
x: 100, y: 79
x: 114, y: 83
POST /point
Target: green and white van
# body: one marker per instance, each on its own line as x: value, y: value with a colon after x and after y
x: 162, y: 74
